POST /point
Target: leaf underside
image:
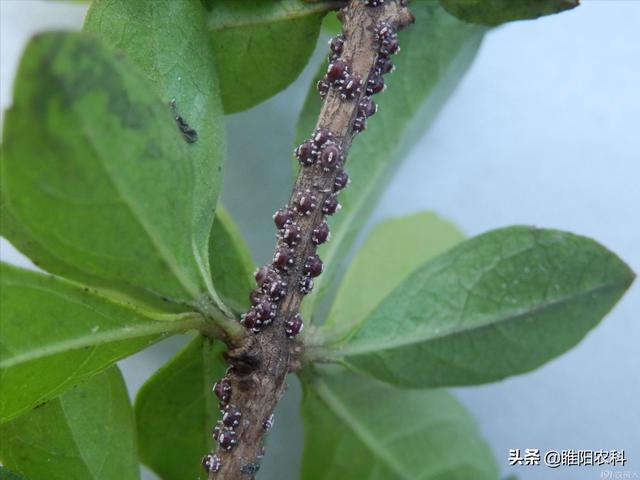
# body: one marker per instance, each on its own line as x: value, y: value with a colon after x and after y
x: 176, y: 410
x: 359, y: 428
x: 85, y: 434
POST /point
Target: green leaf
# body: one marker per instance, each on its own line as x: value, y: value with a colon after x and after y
x: 231, y: 264
x: 168, y: 41
x: 85, y: 434
x: 261, y: 46
x: 495, y: 12
x: 56, y: 333
x: 96, y: 172
x: 436, y: 52
x: 500, y: 304
x: 359, y: 428
x: 393, y: 250
x: 176, y: 409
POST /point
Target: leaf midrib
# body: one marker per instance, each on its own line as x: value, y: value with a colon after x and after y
x: 190, y: 321
x: 372, y: 443
x: 490, y: 321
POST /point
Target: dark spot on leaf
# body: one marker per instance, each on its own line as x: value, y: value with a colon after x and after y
x: 189, y: 134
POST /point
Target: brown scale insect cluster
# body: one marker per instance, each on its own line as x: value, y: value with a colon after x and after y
x: 301, y: 224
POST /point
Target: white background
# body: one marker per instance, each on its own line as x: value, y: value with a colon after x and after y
x: 543, y: 130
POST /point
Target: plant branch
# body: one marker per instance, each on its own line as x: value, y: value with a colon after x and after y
x: 261, y: 360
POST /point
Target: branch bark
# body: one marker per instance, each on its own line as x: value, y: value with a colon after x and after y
x: 261, y: 360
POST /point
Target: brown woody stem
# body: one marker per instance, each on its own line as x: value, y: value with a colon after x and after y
x: 260, y: 361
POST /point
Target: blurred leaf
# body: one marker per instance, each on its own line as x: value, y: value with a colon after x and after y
x: 436, y: 52
x: 7, y: 475
x: 499, y: 304
x: 261, y: 46
x: 231, y: 264
x: 96, y: 172
x: 495, y: 12
x: 56, y: 333
x: 169, y: 42
x: 85, y: 434
x: 394, y: 249
x: 176, y: 410
x: 359, y: 428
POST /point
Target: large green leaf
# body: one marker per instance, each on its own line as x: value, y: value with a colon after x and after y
x: 494, y: 12
x: 261, y: 46
x: 176, y: 409
x: 98, y: 175
x: 436, y: 52
x: 56, y: 333
x: 87, y: 433
x: 393, y: 249
x: 169, y: 43
x: 359, y: 428
x: 499, y: 304
x: 231, y: 264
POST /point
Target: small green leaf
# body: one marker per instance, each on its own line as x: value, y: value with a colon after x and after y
x: 96, y: 172
x: 393, y: 249
x: 176, y: 409
x: 168, y: 41
x: 499, y: 304
x: 436, y: 52
x: 261, y: 46
x: 56, y: 333
x: 495, y: 12
x: 231, y: 264
x: 359, y: 428
x: 85, y: 434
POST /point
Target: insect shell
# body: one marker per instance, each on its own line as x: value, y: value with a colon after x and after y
x: 283, y: 258
x: 336, y: 44
x: 226, y: 438
x: 231, y: 417
x: 211, y: 463
x: 367, y: 107
x: 330, y: 205
x: 313, y: 265
x: 389, y: 46
x: 359, y: 124
x: 291, y: 234
x: 282, y: 217
x: 375, y: 85
x: 337, y: 71
x: 305, y: 202
x: 306, y: 285
x: 265, y: 311
x: 320, y: 234
x: 331, y: 157
x: 350, y: 87
x: 323, y: 87
x: 222, y: 389
x: 306, y: 153
x: 277, y: 290
x: 321, y: 136
x: 384, y: 65
x: 251, y: 321
x: 341, y: 181
x: 294, y: 326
